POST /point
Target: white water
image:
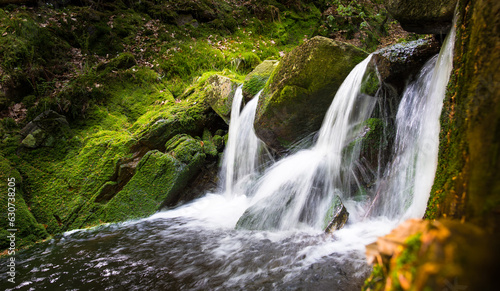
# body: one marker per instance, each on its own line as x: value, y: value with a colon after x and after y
x: 244, y: 152
x: 405, y: 188
x: 305, y: 183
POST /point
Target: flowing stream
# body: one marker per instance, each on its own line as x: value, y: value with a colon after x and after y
x: 279, y: 208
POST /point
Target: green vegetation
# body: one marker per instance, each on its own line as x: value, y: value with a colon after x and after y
x: 129, y: 76
x: 126, y: 75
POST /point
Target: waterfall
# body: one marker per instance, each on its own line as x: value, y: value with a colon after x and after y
x: 298, y: 190
x: 196, y: 246
x: 406, y: 184
x: 244, y: 151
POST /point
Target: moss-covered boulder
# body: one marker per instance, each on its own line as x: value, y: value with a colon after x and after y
x: 256, y: 80
x: 301, y: 89
x: 423, y: 16
x: 190, y: 115
x: 28, y: 229
x: 159, y: 180
x: 45, y: 130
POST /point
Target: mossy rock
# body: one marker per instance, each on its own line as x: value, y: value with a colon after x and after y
x: 219, y: 91
x: 29, y: 230
x: 423, y: 16
x: 159, y: 180
x: 467, y: 180
x: 156, y: 127
x: 256, y: 80
x: 336, y: 216
x: 45, y: 130
x: 301, y: 89
x: 122, y: 62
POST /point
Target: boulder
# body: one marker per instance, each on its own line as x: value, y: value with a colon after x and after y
x: 45, y: 130
x: 423, y: 16
x: 190, y: 116
x: 159, y: 179
x: 301, y: 89
x: 267, y: 213
x: 396, y: 63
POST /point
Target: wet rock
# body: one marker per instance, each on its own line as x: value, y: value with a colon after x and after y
x: 301, y: 89
x: 45, y: 130
x: 336, y: 216
x: 423, y: 16
x: 396, y: 63
x: 267, y: 213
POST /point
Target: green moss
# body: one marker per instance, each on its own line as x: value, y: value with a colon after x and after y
x: 210, y: 144
x: 29, y: 230
x: 376, y: 280
x: 159, y: 179
x: 255, y: 84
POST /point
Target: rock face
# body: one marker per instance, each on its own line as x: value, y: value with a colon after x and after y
x: 301, y: 89
x: 45, y: 130
x: 423, y: 16
x: 467, y: 183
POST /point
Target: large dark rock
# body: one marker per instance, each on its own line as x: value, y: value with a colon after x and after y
x: 396, y: 63
x: 45, y: 130
x: 423, y: 16
x: 296, y: 98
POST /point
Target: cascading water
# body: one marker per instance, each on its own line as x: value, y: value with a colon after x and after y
x: 244, y: 151
x: 300, y: 187
x: 196, y: 247
x: 405, y: 187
